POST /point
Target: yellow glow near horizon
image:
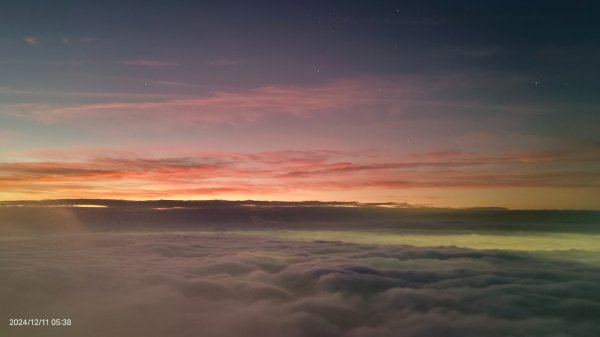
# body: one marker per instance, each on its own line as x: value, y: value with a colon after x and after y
x: 492, y: 241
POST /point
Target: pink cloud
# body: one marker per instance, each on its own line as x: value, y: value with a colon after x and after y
x: 364, y: 101
x: 219, y: 107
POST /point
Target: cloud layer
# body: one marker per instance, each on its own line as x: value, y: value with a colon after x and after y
x: 224, y: 285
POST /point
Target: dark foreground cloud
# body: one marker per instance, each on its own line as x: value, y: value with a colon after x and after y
x: 222, y: 284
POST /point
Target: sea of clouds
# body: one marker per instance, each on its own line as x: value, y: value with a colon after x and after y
x: 225, y: 284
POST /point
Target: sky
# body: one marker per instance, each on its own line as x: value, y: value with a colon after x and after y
x: 450, y: 104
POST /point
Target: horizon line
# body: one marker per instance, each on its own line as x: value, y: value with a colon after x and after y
x: 390, y: 204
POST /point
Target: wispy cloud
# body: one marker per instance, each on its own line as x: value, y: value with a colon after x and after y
x: 85, y: 94
x: 150, y: 63
x: 88, y: 39
x: 31, y: 40
x: 409, y: 98
x: 219, y: 107
x: 64, y: 40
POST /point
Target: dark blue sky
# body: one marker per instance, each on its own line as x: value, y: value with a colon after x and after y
x: 286, y: 41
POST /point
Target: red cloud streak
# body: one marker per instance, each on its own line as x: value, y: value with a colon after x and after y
x: 258, y: 174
